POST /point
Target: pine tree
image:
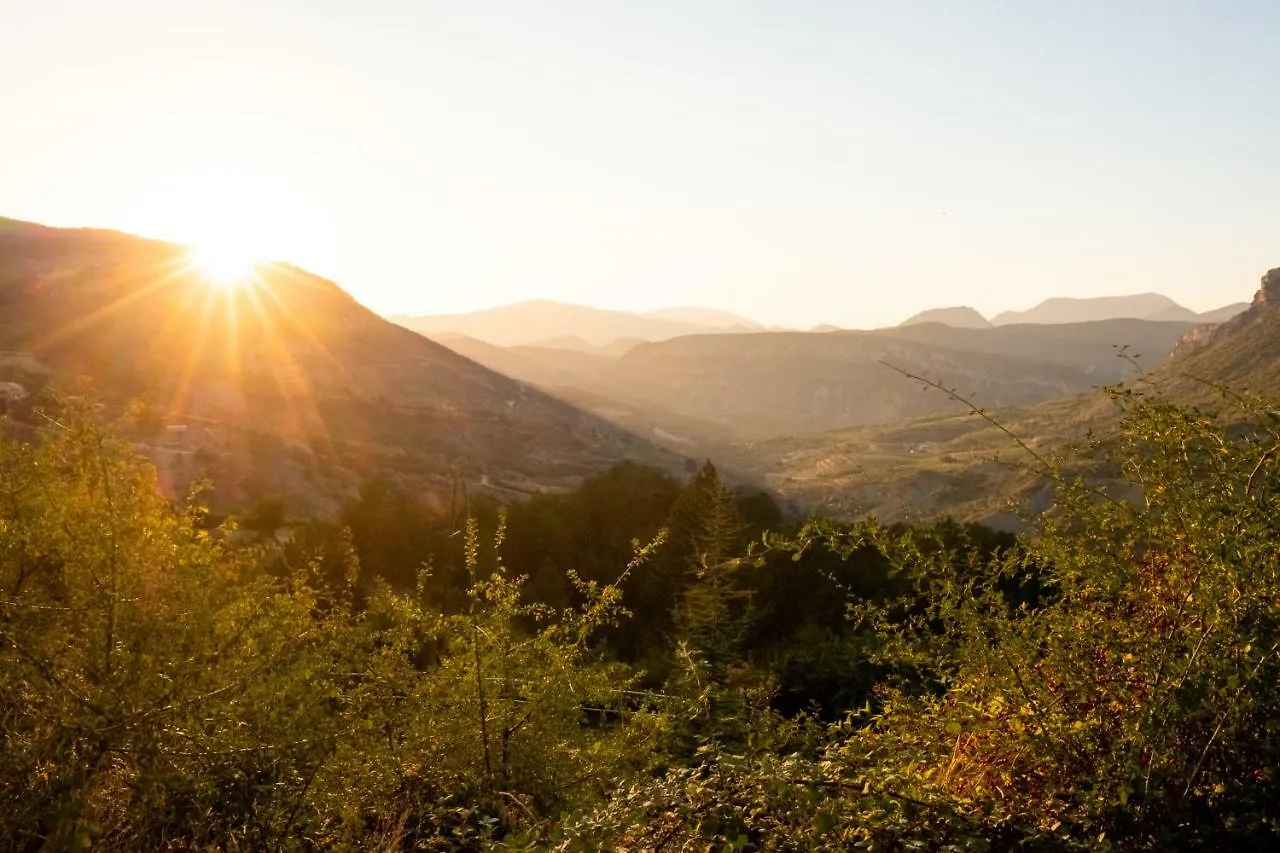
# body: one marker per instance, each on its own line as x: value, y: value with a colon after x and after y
x: 712, y: 613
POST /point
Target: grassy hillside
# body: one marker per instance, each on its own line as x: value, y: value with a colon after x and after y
x: 1091, y: 347
x: 779, y: 384
x: 288, y: 361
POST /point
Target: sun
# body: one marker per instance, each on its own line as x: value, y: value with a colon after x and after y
x: 225, y: 265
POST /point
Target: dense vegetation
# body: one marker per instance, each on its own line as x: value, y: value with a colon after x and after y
x: 644, y: 664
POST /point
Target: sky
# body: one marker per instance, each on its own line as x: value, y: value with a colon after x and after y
x: 797, y: 162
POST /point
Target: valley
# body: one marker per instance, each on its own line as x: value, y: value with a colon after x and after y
x: 831, y: 422
x: 291, y: 391
x: 651, y: 427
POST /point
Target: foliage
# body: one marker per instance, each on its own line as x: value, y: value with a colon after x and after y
x: 162, y: 688
x: 407, y: 680
x: 1131, y: 697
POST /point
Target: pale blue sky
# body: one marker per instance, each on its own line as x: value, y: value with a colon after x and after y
x: 798, y: 162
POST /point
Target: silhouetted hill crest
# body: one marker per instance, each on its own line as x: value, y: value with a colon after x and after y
x: 958, y: 317
x: 292, y: 357
x: 1065, y: 309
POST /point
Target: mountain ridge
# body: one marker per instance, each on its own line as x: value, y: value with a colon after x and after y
x: 291, y: 358
x: 958, y: 317
x: 945, y: 463
x: 1067, y: 309
x: 767, y: 384
x: 532, y: 321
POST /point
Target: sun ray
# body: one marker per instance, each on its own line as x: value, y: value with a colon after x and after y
x: 105, y: 312
x: 178, y: 399
x: 292, y: 382
x: 306, y: 331
x: 257, y: 328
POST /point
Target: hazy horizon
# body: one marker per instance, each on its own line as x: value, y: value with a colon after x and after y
x: 796, y: 164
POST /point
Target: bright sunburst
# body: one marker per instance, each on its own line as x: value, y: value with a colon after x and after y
x: 227, y: 266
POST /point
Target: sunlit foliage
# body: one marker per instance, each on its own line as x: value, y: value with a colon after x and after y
x: 1110, y: 679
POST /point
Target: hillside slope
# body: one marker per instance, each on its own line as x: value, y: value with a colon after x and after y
x: 544, y: 366
x: 1242, y: 353
x: 1092, y: 347
x: 291, y: 359
x: 781, y: 384
x: 786, y: 383
x: 948, y: 463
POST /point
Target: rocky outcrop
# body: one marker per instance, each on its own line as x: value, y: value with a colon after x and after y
x: 1266, y: 300
x: 1194, y: 340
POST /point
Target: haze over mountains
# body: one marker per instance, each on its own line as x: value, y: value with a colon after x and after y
x: 948, y: 462
x: 292, y: 369
x: 1143, y: 306
x: 823, y: 418
x: 565, y: 326
x: 699, y: 388
x: 543, y: 320
x: 770, y: 384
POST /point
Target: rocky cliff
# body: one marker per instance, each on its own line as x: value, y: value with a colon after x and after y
x: 1264, y: 302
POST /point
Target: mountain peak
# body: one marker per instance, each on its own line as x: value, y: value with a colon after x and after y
x: 1270, y: 290
x: 958, y: 317
x: 1072, y: 309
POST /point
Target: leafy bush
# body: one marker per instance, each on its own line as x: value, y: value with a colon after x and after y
x: 162, y: 688
x: 1109, y: 680
x: 1137, y: 703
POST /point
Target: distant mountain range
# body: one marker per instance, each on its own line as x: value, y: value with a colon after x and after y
x: 292, y: 388
x: 559, y: 325
x: 543, y: 320
x: 944, y: 463
x: 1142, y: 306
x: 769, y: 384
x: 960, y: 317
